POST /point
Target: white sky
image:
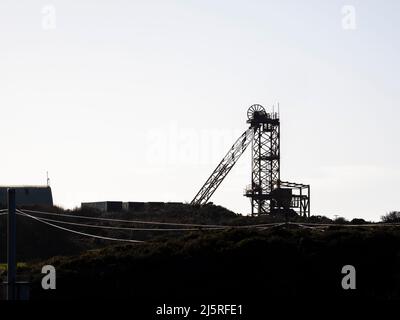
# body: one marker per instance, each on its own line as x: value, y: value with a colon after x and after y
x: 140, y: 100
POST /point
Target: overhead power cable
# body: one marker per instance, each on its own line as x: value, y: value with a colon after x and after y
x: 124, y: 228
x: 127, y: 221
x: 204, y: 226
x: 347, y: 225
x: 77, y: 232
x: 164, y: 229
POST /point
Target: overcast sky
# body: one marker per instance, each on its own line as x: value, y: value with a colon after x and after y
x: 140, y: 100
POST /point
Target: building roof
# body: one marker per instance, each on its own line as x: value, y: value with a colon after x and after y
x: 24, y: 186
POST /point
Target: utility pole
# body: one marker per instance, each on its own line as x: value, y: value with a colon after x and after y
x: 11, y: 245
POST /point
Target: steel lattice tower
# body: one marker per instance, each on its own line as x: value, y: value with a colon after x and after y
x: 265, y: 167
x: 268, y: 194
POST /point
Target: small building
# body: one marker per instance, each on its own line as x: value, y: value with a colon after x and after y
x: 134, y: 206
x: 155, y: 205
x: 103, y: 206
x: 117, y: 206
x: 28, y: 196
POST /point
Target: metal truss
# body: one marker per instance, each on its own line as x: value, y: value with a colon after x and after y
x: 224, y: 167
x: 265, y: 164
x: 301, y: 199
x: 267, y: 193
x: 265, y: 161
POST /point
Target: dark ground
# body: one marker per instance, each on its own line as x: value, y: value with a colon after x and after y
x: 278, y: 263
x: 285, y: 263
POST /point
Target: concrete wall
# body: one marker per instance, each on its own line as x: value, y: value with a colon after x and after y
x: 115, y: 206
x: 103, y: 206
x: 134, y: 206
x: 28, y: 196
x: 155, y: 205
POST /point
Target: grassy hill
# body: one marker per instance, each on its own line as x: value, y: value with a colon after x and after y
x: 36, y: 241
x: 283, y: 262
x: 238, y: 264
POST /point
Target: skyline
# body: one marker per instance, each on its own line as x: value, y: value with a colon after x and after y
x: 139, y: 101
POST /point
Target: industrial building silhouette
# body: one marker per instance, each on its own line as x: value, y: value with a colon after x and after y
x: 28, y: 196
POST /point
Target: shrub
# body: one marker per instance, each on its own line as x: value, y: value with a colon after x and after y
x: 391, y: 217
x: 358, y: 221
x: 340, y: 220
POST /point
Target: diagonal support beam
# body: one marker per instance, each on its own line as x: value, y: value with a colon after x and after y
x: 224, y: 167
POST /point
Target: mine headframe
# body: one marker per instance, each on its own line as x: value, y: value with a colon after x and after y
x: 267, y: 193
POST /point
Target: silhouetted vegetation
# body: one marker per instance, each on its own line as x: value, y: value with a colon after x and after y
x: 284, y: 261
x: 340, y: 220
x: 239, y: 264
x: 358, y: 221
x: 391, y: 217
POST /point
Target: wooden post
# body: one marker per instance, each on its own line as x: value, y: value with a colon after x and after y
x: 11, y: 245
x: 309, y: 208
